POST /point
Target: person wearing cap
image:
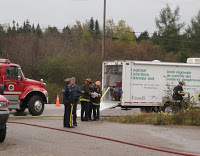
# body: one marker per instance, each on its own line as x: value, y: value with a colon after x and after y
x: 96, y: 100
x: 77, y: 93
x: 68, y: 100
x: 85, y: 99
x: 178, y: 94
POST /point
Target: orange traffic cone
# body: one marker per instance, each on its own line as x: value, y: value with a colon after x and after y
x: 57, y: 101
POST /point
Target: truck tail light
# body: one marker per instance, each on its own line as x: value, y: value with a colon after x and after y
x: 3, y: 105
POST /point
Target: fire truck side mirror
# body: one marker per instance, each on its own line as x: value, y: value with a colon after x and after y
x: 19, y: 78
x: 1, y: 89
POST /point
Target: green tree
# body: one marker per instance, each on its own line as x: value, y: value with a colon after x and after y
x: 27, y: 27
x: 1, y: 29
x: 124, y: 32
x: 33, y: 28
x: 193, y: 34
x: 38, y: 31
x: 91, y: 26
x: 143, y: 36
x: 66, y: 30
x: 97, y: 29
x: 169, y: 29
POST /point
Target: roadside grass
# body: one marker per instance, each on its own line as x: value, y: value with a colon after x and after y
x: 190, y: 117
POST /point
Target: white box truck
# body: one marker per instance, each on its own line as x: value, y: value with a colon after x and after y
x: 144, y: 84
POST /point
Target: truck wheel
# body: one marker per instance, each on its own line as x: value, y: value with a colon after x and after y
x: 36, y: 105
x: 142, y: 109
x: 2, y: 134
x: 149, y: 109
x: 168, y: 109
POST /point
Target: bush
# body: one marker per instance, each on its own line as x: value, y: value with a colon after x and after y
x: 190, y: 117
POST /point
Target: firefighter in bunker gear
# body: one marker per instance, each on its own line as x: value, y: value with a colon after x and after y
x: 77, y: 93
x: 90, y: 103
x: 178, y: 94
x: 68, y: 100
x: 85, y: 99
x: 96, y: 100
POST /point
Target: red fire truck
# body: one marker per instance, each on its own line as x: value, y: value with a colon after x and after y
x: 21, y: 92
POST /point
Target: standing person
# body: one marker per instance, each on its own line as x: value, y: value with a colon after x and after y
x: 96, y: 100
x: 91, y: 86
x: 178, y: 94
x: 85, y: 99
x: 77, y: 93
x: 68, y: 100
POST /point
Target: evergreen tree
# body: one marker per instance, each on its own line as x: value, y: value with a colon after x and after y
x: 91, y: 26
x: 169, y: 29
x: 155, y: 38
x: 1, y: 29
x: 13, y: 28
x: 143, y: 36
x: 27, y: 27
x: 193, y: 34
x: 38, y: 30
x: 66, y: 30
x: 33, y: 29
x: 97, y: 29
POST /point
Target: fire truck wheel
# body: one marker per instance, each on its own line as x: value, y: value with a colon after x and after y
x: 36, y: 105
x: 2, y: 134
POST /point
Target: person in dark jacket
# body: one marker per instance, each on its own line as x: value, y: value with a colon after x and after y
x: 68, y: 100
x: 96, y: 95
x: 77, y: 93
x: 91, y: 86
x: 178, y: 94
x: 85, y: 99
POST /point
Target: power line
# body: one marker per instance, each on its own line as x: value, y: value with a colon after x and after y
x: 116, y: 38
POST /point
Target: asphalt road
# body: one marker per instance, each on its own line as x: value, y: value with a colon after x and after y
x: 27, y: 140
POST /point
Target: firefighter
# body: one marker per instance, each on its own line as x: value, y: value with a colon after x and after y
x: 77, y: 93
x: 91, y: 86
x: 178, y: 94
x: 85, y: 99
x: 68, y: 100
x: 96, y: 100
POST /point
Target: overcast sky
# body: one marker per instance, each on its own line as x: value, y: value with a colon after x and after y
x: 139, y: 14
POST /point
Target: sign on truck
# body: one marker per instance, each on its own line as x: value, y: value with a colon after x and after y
x: 146, y: 84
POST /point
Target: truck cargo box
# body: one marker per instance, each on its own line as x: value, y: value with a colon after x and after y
x: 145, y: 83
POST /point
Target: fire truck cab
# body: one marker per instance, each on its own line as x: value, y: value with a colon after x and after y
x: 21, y: 92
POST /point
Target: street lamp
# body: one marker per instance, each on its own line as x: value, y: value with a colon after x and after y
x: 103, y: 37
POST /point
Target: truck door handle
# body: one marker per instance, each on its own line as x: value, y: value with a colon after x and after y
x: 5, y: 86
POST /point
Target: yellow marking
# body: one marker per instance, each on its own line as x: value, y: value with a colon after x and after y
x: 12, y: 82
x: 70, y: 121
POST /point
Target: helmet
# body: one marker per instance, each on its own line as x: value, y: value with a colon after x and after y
x: 182, y: 82
x: 88, y: 81
x: 98, y: 83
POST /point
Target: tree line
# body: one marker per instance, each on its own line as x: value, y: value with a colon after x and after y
x: 54, y: 54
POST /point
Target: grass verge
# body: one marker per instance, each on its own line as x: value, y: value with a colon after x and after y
x: 191, y: 117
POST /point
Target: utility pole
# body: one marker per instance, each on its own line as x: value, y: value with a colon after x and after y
x: 103, y: 37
